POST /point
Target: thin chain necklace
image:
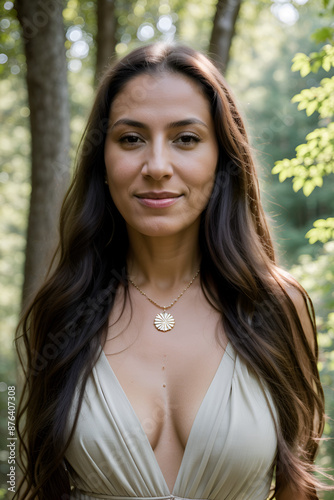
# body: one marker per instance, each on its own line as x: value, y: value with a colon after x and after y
x: 165, y: 321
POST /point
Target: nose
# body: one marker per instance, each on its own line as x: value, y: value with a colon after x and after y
x: 157, y: 163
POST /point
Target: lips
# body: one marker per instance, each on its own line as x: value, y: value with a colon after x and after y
x: 157, y: 195
x: 158, y: 199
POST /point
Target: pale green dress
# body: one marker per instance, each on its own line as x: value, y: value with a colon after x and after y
x: 229, y: 455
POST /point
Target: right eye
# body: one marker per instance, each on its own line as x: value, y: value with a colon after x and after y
x: 130, y: 139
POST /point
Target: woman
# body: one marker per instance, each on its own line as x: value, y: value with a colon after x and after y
x: 168, y: 355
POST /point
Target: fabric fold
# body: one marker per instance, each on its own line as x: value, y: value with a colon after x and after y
x: 229, y: 455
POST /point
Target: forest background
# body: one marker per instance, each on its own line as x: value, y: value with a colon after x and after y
x: 265, y: 37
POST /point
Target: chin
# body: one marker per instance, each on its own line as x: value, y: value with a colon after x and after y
x: 158, y: 232
x: 160, y: 229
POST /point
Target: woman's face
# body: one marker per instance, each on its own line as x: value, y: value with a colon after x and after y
x: 161, y: 153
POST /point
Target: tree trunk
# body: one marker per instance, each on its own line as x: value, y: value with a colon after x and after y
x: 106, y: 34
x: 223, y: 30
x: 44, y: 39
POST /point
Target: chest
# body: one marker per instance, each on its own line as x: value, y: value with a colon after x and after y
x: 165, y: 375
x: 229, y: 453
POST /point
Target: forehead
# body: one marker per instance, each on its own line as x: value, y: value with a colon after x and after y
x: 163, y: 94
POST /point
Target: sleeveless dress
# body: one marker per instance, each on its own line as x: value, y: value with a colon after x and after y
x: 229, y: 455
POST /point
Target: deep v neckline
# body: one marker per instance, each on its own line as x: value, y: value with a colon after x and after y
x: 145, y: 439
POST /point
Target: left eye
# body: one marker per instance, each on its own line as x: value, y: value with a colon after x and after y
x: 187, y: 139
x: 130, y: 139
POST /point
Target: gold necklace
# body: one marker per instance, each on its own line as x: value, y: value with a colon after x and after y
x: 164, y: 321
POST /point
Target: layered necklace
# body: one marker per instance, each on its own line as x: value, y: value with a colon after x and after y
x: 165, y: 321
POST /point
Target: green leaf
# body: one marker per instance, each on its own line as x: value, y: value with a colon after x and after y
x: 323, y: 231
x: 298, y: 183
x: 308, y: 187
x: 326, y: 64
x: 283, y: 175
x: 322, y: 34
x: 316, y: 66
x: 297, y: 98
x: 318, y: 181
x: 305, y: 70
x: 314, y: 160
x: 301, y: 62
x: 311, y: 107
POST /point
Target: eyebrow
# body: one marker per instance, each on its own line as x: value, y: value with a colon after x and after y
x: 179, y: 123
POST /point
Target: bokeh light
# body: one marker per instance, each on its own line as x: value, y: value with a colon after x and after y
x: 139, y: 10
x: 15, y: 69
x: 79, y: 49
x: 25, y: 111
x: 74, y: 65
x: 145, y: 32
x: 4, y: 23
x: 15, y: 35
x: 3, y: 58
x: 164, y: 24
x: 164, y: 9
x: 121, y: 48
x: 74, y: 33
x: 285, y: 12
x: 126, y: 38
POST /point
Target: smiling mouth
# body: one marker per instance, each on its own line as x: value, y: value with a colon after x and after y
x: 157, y: 195
x: 158, y: 200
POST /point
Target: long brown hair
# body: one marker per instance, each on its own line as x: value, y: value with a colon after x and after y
x: 65, y: 324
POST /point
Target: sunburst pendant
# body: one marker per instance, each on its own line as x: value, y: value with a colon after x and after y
x: 164, y: 322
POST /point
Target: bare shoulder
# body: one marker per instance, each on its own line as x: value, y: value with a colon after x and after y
x: 302, y: 304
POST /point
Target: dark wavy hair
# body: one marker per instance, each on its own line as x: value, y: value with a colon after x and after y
x: 63, y: 328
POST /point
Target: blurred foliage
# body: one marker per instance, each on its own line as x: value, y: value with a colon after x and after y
x: 305, y: 64
x: 314, y: 159
x: 267, y: 37
x: 323, y: 231
x: 260, y: 75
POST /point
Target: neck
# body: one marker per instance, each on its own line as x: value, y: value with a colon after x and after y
x: 163, y: 262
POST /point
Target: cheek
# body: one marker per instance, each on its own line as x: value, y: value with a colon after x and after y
x: 119, y: 170
x: 203, y: 192
x: 202, y: 181
x: 117, y: 177
x: 118, y: 188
